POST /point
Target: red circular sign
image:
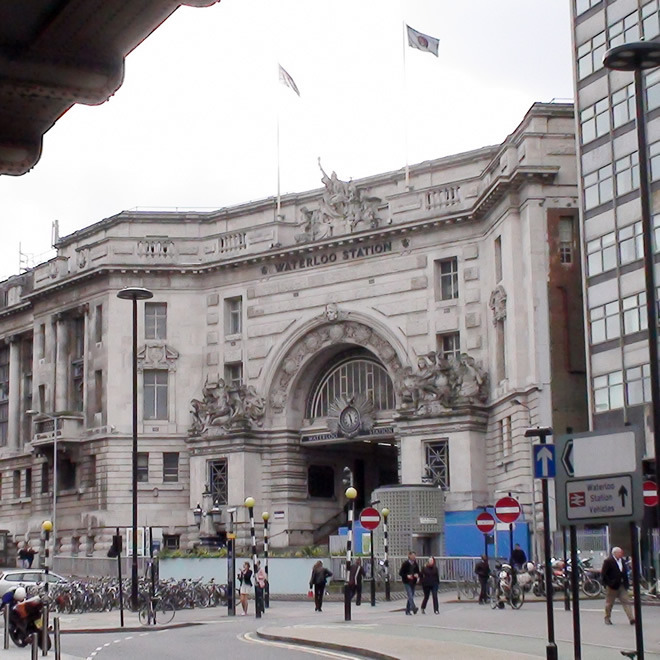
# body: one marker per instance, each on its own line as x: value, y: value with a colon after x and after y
x: 370, y: 518
x: 485, y: 523
x: 650, y: 493
x: 507, y: 509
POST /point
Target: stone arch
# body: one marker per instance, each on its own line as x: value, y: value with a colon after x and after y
x: 320, y: 340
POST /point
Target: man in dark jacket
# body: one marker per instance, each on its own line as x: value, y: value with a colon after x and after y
x: 355, y: 580
x: 614, y: 574
x: 483, y: 573
x: 409, y: 574
x: 518, y: 558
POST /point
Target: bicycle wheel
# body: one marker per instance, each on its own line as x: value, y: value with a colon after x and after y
x: 591, y: 587
x: 494, y: 595
x: 164, y: 612
x: 517, y: 597
x: 472, y: 589
x: 144, y: 615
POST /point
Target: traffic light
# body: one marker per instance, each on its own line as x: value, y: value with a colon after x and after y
x: 347, y: 478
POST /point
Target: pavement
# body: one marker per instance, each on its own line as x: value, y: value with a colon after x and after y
x: 385, y: 633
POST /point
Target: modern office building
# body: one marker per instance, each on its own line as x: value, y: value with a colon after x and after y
x: 409, y: 331
x: 615, y: 299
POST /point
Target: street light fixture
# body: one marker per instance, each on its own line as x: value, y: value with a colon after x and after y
x: 46, y: 528
x: 265, y: 517
x: 34, y: 414
x: 351, y: 494
x: 135, y: 293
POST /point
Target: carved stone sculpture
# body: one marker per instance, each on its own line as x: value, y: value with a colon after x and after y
x: 224, y: 408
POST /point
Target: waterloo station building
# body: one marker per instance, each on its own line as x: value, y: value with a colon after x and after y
x: 410, y: 330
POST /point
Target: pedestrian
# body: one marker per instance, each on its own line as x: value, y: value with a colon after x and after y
x: 518, y: 558
x: 482, y: 571
x: 245, y: 580
x: 355, y: 580
x: 614, y: 575
x: 430, y: 579
x: 22, y: 556
x: 29, y: 555
x: 317, y: 581
x: 409, y: 574
x: 261, y: 579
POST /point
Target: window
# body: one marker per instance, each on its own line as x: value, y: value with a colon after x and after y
x: 601, y: 254
x: 170, y: 466
x: 595, y: 120
x: 566, y: 239
x: 143, y: 467
x: 506, y: 439
x: 638, y: 385
x: 582, y: 5
x: 447, y: 277
x: 91, y: 471
x: 321, y: 481
x: 500, y: 350
x: 77, y: 329
x: 41, y: 341
x: 656, y: 232
x: 650, y: 22
x: 233, y: 316
x: 234, y: 374
x: 624, y: 31
x: 4, y: 394
x: 604, y: 321
x: 437, y: 463
x: 634, y: 313
x: 98, y: 391
x: 449, y: 345
x: 218, y: 481
x: 654, y: 159
x: 171, y: 541
x: 28, y: 482
x: 498, y: 259
x: 98, y: 324
x: 598, y: 187
x: 590, y: 55
x: 631, y: 243
x: 155, y: 320
x: 17, y: 483
x: 155, y: 393
x: 608, y: 391
x: 626, y: 170
x: 45, y: 478
x: 67, y: 473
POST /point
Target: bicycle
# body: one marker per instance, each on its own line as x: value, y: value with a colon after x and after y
x: 156, y: 610
x: 467, y: 588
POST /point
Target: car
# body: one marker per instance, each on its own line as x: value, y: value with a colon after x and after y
x: 10, y: 578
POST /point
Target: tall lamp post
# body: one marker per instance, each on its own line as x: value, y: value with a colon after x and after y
x: 46, y: 528
x: 258, y: 604
x: 386, y: 558
x: 638, y: 57
x: 265, y: 516
x: 135, y: 293
x: 33, y: 414
x: 351, y: 494
x: 231, y: 564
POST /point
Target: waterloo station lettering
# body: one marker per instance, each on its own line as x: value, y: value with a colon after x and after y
x: 332, y: 257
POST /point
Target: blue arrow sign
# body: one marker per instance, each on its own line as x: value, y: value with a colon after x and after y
x: 544, y: 461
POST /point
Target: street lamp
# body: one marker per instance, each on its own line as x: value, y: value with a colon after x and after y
x: 46, y: 528
x: 231, y: 564
x: 386, y: 561
x: 265, y: 516
x: 351, y: 494
x: 34, y: 414
x: 249, y: 503
x: 135, y: 293
x: 638, y: 57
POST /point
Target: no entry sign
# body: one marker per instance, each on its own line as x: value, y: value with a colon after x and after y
x: 650, y: 493
x: 370, y: 518
x: 507, y: 509
x: 485, y: 523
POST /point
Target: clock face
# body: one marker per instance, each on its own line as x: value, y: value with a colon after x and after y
x: 349, y: 420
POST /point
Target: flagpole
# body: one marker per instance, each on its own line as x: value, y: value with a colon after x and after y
x: 405, y: 99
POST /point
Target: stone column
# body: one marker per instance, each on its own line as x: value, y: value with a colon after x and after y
x: 61, y: 364
x: 14, y: 422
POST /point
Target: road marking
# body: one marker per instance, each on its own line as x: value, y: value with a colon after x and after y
x: 248, y: 637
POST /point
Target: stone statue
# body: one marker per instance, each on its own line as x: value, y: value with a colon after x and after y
x: 473, y: 381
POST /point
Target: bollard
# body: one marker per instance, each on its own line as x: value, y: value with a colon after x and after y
x: 56, y: 638
x: 35, y: 646
x: 6, y: 635
x: 44, y: 630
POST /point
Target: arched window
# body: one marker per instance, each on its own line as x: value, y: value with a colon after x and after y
x: 355, y: 372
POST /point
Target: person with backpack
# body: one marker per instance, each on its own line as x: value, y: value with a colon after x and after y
x: 317, y: 581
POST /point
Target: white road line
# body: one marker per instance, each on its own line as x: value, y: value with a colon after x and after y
x: 248, y: 637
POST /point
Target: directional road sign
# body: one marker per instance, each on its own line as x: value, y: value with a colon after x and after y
x: 507, y: 509
x: 485, y: 523
x: 650, y: 493
x: 599, y: 477
x: 370, y: 518
x: 544, y: 461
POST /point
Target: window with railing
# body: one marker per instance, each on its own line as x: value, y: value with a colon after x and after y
x: 437, y: 463
x: 218, y: 481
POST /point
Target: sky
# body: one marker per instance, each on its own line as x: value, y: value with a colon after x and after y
x: 195, y: 123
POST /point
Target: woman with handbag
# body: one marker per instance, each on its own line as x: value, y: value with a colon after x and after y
x: 245, y: 580
x: 317, y: 581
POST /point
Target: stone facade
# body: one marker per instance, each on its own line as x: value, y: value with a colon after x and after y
x: 400, y: 329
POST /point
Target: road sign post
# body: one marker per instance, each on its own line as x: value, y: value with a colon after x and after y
x: 650, y: 492
x: 546, y: 459
x: 370, y: 519
x: 485, y: 524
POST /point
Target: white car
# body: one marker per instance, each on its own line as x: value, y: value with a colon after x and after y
x: 11, y: 578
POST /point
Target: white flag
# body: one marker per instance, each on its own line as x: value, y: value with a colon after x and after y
x: 287, y: 80
x: 422, y: 41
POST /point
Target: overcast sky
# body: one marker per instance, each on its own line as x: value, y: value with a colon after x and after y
x: 194, y: 124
